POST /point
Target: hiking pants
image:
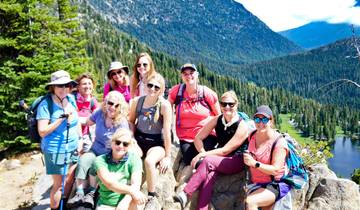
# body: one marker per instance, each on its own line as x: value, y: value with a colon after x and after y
x: 205, y: 176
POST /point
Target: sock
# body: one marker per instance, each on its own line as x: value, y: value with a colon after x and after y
x: 183, y: 196
x: 80, y: 191
x: 153, y: 194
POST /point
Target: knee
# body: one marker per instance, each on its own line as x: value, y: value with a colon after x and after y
x: 250, y: 203
x: 149, y: 163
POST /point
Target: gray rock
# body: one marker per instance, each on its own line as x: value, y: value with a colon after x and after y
x: 12, y: 164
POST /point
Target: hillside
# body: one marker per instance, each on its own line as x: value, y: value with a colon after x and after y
x: 217, y: 33
x: 318, y: 34
x: 306, y: 72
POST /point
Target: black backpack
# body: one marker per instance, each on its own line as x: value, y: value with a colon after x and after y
x: 31, y: 116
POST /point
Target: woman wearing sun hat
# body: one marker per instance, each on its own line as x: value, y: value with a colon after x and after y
x: 60, y: 132
x: 118, y: 76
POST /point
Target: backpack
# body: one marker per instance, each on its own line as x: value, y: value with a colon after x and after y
x: 297, y: 175
x: 31, y: 116
x: 250, y: 123
x: 180, y: 97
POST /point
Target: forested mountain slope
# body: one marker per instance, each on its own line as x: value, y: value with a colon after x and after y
x: 218, y: 33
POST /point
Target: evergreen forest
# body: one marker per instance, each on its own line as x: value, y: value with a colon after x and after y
x: 40, y: 37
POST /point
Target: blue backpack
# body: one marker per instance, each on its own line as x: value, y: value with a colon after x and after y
x: 250, y: 123
x: 297, y: 175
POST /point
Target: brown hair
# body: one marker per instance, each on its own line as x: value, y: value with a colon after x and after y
x: 135, y: 77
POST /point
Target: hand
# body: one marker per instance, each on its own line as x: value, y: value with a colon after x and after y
x: 164, y: 164
x: 138, y: 196
x: 249, y: 160
x: 196, y: 159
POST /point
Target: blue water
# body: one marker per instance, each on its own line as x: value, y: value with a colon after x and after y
x: 346, y: 157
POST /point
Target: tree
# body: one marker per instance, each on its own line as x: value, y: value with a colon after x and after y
x: 34, y: 42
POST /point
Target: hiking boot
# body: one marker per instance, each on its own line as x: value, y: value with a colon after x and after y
x: 89, y: 200
x: 75, y: 201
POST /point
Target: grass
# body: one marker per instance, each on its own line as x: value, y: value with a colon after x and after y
x: 288, y: 128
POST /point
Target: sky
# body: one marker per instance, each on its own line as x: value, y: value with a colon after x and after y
x: 281, y: 15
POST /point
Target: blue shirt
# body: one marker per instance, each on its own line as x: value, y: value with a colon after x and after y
x: 102, y: 143
x: 55, y: 142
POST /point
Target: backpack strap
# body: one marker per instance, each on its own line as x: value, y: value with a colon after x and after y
x: 139, y: 105
x: 92, y: 103
x: 271, y: 152
x: 179, y: 98
x: 202, y: 98
x: 49, y: 102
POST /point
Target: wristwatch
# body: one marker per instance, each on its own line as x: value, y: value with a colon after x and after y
x: 257, y: 165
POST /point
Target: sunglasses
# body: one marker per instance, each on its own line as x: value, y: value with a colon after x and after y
x: 264, y: 120
x: 143, y: 64
x: 63, y: 85
x: 116, y: 73
x: 112, y: 104
x: 124, y: 143
x: 224, y: 104
x: 188, y: 74
x: 149, y: 85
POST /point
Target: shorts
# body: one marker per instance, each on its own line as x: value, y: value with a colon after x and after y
x: 189, y: 151
x: 279, y: 188
x: 147, y: 141
x: 55, y: 162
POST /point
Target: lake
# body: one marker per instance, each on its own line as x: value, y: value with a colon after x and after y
x: 346, y: 156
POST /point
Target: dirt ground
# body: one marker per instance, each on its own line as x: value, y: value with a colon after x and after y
x: 16, y: 186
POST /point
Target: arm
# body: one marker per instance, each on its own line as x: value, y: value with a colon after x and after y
x: 132, y: 113
x: 44, y: 128
x: 216, y: 108
x: 135, y: 184
x: 166, y: 112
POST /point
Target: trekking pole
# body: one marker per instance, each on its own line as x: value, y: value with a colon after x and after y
x: 65, y: 163
x: 247, y: 181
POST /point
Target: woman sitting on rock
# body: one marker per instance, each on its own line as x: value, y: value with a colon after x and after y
x: 265, y: 169
x: 152, y: 115
x: 227, y: 158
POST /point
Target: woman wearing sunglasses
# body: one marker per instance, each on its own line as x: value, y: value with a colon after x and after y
x: 143, y: 69
x: 111, y: 116
x: 226, y: 158
x: 152, y: 114
x: 118, y: 76
x: 120, y: 175
x: 193, y: 109
x: 265, y: 171
x: 60, y: 131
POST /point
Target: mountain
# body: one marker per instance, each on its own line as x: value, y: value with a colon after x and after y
x: 312, y: 74
x: 318, y: 34
x: 220, y: 33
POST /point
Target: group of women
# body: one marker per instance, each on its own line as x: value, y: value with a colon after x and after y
x: 134, y: 123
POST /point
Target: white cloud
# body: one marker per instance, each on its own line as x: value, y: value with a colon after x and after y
x: 285, y: 14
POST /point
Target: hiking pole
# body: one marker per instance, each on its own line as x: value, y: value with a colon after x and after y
x: 65, y: 162
x: 247, y: 181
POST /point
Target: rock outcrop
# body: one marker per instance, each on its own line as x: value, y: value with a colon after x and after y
x: 324, y: 191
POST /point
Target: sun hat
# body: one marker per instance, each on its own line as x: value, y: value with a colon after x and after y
x: 188, y: 66
x: 60, y: 77
x: 264, y: 110
x: 117, y: 65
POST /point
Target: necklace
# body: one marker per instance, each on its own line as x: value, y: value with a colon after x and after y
x: 232, y: 121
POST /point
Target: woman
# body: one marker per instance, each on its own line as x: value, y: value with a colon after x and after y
x: 153, y: 128
x: 118, y: 76
x: 227, y: 158
x: 266, y: 171
x: 111, y: 116
x: 144, y: 68
x: 194, y: 104
x: 120, y: 173
x: 86, y: 104
x: 60, y: 132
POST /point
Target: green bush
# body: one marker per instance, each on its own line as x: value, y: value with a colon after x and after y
x: 355, y: 176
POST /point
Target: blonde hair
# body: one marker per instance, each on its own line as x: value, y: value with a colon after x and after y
x: 160, y: 79
x: 135, y: 77
x: 123, y: 133
x: 230, y: 94
x: 121, y: 111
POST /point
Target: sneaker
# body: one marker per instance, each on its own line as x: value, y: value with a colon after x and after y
x: 89, y: 200
x: 181, y: 198
x: 75, y: 201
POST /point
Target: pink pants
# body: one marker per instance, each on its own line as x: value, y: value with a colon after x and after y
x: 205, y: 176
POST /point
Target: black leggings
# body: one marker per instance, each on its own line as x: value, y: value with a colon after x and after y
x: 188, y: 150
